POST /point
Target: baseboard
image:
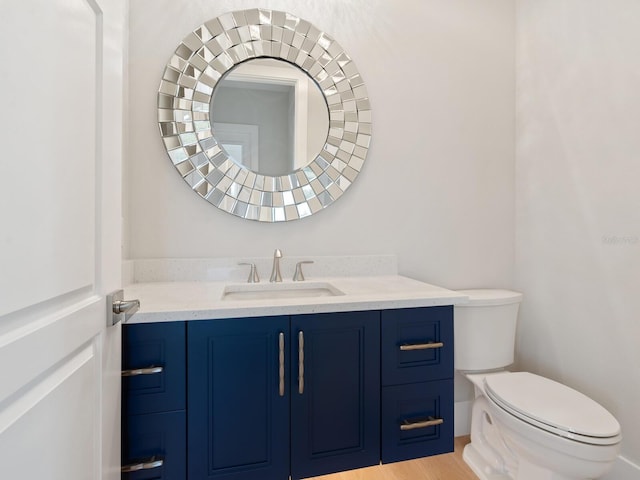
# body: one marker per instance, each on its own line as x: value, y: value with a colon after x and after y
x: 462, y: 414
x: 623, y: 469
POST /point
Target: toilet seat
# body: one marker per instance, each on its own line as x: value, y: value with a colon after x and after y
x: 553, y: 407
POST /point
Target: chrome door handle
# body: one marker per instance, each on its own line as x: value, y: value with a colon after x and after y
x: 120, y: 309
x: 281, y: 364
x: 421, y: 346
x: 300, y: 362
x: 153, y: 462
x: 125, y: 306
x: 134, y: 372
x: 429, y: 422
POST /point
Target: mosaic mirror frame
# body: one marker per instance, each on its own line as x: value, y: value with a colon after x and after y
x: 184, y: 100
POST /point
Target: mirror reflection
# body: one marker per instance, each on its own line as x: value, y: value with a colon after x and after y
x: 269, y: 116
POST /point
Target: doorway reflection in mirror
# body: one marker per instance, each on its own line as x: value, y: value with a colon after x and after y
x: 270, y: 116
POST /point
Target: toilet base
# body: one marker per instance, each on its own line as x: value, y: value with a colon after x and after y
x: 528, y: 471
x: 524, y: 470
x: 488, y: 455
x: 479, y: 466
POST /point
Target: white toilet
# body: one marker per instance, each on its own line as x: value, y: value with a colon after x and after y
x: 524, y: 426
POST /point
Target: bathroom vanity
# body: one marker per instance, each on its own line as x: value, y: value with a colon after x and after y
x: 242, y: 387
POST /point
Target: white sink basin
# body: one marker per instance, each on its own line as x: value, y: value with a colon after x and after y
x: 266, y: 291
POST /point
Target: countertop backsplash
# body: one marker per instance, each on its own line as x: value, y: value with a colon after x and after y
x: 227, y: 269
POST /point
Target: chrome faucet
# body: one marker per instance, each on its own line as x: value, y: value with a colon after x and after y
x: 298, y: 276
x: 275, y: 271
x: 253, y: 273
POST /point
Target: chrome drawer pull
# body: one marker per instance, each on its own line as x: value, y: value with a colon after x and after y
x: 429, y: 422
x: 142, y: 371
x: 300, y: 362
x: 153, y: 462
x: 281, y: 364
x: 421, y: 346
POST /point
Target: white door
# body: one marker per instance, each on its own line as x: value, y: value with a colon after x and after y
x: 61, y: 78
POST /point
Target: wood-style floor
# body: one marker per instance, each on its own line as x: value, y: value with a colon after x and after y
x: 450, y: 466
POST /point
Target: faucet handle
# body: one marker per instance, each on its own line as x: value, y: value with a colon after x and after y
x: 298, y: 276
x: 253, y: 273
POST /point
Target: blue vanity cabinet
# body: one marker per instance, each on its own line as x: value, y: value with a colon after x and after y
x: 238, y: 401
x: 278, y: 396
x: 154, y: 401
x: 286, y: 396
x: 335, y: 392
x: 417, y: 382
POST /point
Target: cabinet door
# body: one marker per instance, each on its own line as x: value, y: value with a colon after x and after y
x: 238, y: 414
x: 335, y: 392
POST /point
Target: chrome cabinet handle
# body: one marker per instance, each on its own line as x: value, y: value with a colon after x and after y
x: 300, y: 362
x: 142, y: 371
x: 153, y: 462
x: 429, y: 422
x: 281, y: 364
x: 421, y: 346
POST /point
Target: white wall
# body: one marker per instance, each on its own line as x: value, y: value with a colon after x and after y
x: 578, y: 201
x: 437, y: 189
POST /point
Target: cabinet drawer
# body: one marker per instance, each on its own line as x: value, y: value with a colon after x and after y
x: 417, y: 420
x: 158, y: 441
x: 417, y: 345
x: 159, y: 345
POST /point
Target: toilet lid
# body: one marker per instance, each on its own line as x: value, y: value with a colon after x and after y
x: 553, y: 407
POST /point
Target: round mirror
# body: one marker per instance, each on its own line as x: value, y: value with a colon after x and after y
x: 269, y: 116
x: 193, y: 131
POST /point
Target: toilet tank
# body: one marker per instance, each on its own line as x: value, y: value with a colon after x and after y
x: 485, y: 329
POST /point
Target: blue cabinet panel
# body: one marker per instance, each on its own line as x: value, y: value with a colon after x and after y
x: 417, y: 405
x: 335, y: 417
x: 406, y: 328
x: 159, y: 345
x: 238, y: 422
x: 157, y: 436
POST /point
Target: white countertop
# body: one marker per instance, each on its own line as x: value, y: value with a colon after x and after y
x: 201, y: 300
